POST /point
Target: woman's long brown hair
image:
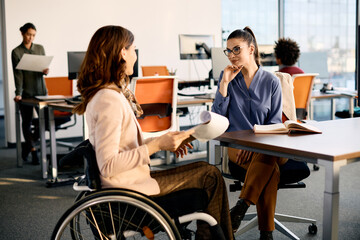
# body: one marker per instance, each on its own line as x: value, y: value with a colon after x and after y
x: 103, y: 63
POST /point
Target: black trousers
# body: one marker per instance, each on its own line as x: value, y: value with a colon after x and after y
x: 27, y: 118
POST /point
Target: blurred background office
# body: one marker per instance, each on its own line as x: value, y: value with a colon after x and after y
x: 325, y: 31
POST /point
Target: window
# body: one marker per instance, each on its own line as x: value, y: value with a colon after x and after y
x: 260, y: 15
x: 322, y: 26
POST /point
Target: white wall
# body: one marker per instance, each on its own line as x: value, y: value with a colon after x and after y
x: 68, y: 25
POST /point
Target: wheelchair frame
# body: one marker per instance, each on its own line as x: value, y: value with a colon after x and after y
x: 120, y: 213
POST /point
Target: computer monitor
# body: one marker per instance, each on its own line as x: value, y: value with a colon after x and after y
x: 314, y: 62
x: 267, y: 56
x: 218, y: 61
x: 75, y: 60
x: 195, y: 46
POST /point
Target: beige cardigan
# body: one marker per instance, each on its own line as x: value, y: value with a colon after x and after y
x: 122, y: 156
x: 287, y: 90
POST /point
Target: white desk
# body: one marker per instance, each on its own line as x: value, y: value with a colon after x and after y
x: 63, y: 106
x: 317, y: 95
x: 338, y: 145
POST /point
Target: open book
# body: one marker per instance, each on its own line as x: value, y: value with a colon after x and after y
x: 213, y: 126
x: 286, y: 127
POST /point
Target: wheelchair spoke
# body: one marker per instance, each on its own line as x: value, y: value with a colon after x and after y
x: 109, y: 217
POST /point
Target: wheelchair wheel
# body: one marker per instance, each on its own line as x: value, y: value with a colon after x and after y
x: 115, y: 214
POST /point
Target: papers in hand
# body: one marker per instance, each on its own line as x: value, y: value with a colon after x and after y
x: 35, y: 63
x: 286, y: 127
x: 213, y: 126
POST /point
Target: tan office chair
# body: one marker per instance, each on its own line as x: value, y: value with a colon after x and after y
x: 303, y: 85
x: 291, y: 173
x: 154, y: 71
x: 157, y: 96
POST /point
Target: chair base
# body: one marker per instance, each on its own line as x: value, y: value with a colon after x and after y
x: 253, y: 222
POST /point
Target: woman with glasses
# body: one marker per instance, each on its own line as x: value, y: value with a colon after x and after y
x: 248, y: 95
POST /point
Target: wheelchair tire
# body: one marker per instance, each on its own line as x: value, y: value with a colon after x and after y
x: 115, y: 214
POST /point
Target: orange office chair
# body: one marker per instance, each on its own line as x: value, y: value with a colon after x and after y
x: 154, y: 71
x: 303, y: 84
x: 158, y: 99
x: 60, y: 86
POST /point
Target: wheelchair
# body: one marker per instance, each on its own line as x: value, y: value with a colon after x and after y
x: 126, y: 214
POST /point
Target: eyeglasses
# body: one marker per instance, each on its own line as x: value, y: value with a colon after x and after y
x: 236, y: 50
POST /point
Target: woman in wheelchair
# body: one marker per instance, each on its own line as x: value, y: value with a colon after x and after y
x: 122, y: 155
x: 249, y: 95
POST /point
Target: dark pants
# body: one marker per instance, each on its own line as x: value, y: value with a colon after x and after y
x: 27, y: 118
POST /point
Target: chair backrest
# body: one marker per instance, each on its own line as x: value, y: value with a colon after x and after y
x: 303, y: 84
x: 59, y: 86
x: 154, y: 71
x: 288, y: 101
x: 156, y: 92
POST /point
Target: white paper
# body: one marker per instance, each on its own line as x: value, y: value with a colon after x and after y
x: 51, y: 97
x: 36, y: 63
x: 213, y: 126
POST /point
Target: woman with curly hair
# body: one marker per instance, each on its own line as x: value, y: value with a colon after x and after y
x: 287, y: 53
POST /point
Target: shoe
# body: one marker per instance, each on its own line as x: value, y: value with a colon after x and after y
x: 35, y: 158
x: 237, y: 214
x: 266, y: 235
x: 25, y: 150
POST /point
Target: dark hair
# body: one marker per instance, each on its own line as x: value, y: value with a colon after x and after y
x: 26, y: 27
x: 247, y: 35
x: 287, y: 50
x: 103, y: 63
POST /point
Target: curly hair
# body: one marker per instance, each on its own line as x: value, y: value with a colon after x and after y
x: 287, y: 50
x: 103, y: 63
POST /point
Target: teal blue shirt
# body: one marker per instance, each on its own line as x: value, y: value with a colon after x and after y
x: 260, y: 104
x: 28, y: 83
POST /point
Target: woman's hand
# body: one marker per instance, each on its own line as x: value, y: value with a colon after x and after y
x: 46, y: 71
x: 183, y: 150
x: 17, y: 98
x: 176, y: 142
x: 229, y: 74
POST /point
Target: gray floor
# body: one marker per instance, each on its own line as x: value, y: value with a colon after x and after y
x: 29, y: 210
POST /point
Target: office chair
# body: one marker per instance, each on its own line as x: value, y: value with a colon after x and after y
x: 291, y: 173
x: 303, y: 85
x: 59, y: 86
x: 158, y: 99
x: 154, y: 71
